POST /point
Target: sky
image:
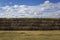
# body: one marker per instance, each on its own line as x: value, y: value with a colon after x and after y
x: 29, y: 8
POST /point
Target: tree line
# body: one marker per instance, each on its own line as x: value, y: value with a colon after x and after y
x: 29, y: 24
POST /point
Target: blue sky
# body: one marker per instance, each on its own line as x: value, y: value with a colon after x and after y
x: 29, y: 8
x: 24, y: 2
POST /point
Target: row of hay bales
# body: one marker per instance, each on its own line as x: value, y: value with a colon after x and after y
x: 29, y: 23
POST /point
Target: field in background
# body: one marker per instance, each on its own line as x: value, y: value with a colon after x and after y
x: 29, y: 35
x: 30, y: 24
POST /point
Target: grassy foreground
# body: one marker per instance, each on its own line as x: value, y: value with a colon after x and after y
x: 29, y: 35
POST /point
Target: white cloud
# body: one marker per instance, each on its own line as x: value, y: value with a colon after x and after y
x: 47, y: 2
x: 45, y: 10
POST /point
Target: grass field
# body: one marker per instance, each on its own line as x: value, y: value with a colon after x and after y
x: 29, y: 35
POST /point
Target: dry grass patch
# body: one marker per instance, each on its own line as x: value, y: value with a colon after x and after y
x: 29, y: 35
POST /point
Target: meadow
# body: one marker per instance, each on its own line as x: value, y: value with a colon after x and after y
x: 39, y: 29
x: 30, y: 35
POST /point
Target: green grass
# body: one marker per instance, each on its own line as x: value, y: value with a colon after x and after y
x: 29, y: 35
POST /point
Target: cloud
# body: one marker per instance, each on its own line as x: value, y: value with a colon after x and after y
x: 45, y: 10
x: 46, y: 2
